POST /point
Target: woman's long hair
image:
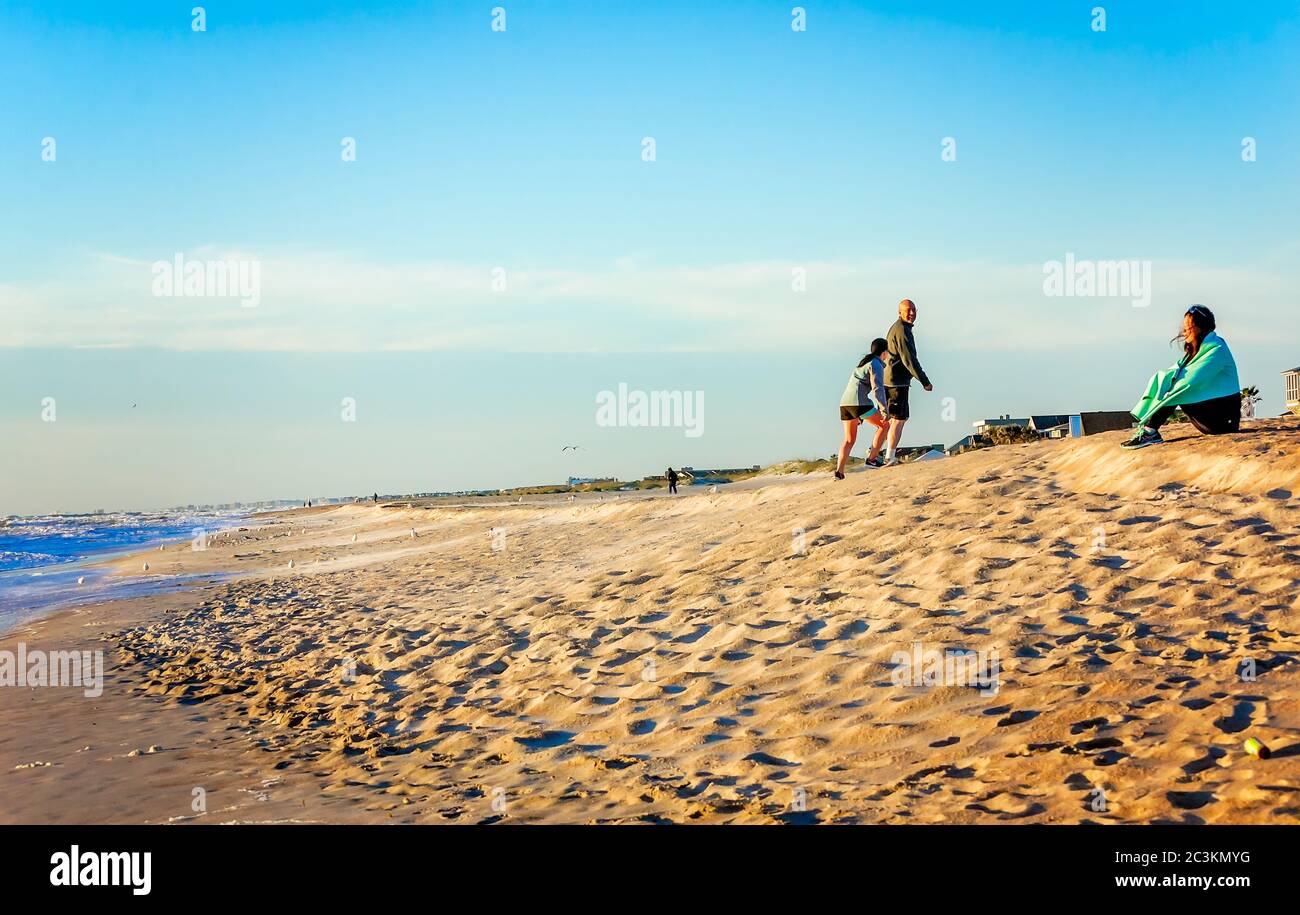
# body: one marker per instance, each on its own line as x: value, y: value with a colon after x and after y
x: 878, y: 346
x: 1203, y: 321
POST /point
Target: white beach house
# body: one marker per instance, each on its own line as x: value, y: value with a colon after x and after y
x: 1292, y: 379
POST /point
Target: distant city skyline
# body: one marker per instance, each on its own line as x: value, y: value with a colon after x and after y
x: 461, y: 236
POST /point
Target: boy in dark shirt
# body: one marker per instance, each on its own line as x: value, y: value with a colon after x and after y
x: 902, y: 368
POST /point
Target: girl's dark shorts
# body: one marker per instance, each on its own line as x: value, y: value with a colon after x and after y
x: 856, y: 412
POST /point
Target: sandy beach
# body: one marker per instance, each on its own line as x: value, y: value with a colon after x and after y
x: 723, y: 657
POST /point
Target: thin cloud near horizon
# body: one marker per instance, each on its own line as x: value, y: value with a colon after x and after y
x: 342, y: 303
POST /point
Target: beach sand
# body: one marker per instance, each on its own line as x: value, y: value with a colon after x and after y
x: 711, y: 658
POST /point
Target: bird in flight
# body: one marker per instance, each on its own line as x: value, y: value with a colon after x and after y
x: 568, y: 447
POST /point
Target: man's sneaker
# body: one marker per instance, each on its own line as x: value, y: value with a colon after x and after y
x: 1144, y: 437
x: 892, y: 462
x: 875, y: 462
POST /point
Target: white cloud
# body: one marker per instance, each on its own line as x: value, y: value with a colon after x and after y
x: 323, y: 302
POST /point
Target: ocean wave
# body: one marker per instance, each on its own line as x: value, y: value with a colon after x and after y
x: 11, y: 560
x: 42, y: 540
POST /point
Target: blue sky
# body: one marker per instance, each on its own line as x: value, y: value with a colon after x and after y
x: 521, y: 151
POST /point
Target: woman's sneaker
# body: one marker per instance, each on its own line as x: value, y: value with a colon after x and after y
x: 875, y: 462
x: 1143, y: 438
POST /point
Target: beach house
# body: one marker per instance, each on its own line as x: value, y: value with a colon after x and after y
x: 700, y: 476
x: 919, y: 451
x: 1100, y: 421
x: 1292, y: 379
x: 722, y: 471
x: 1051, y: 425
x: 969, y: 443
x: 983, y: 425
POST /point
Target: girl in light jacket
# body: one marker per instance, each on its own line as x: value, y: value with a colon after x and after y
x: 864, y: 399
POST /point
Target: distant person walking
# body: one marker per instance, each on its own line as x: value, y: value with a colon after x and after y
x: 672, y: 481
x: 1204, y: 383
x: 864, y: 399
x: 902, y: 368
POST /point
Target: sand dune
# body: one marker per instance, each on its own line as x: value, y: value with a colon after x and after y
x: 728, y: 657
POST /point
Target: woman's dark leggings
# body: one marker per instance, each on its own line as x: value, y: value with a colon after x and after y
x: 1213, y: 417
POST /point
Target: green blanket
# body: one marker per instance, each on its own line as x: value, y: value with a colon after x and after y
x: 1212, y: 373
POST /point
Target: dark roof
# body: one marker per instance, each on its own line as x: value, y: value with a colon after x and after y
x: 1289, y: 371
x: 1105, y: 421
x: 967, y: 440
x: 1048, y: 420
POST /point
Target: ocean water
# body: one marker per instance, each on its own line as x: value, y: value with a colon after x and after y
x: 42, y: 557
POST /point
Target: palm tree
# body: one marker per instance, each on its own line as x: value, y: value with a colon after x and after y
x: 1249, y: 397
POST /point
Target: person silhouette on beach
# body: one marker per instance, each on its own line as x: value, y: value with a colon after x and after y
x: 672, y: 481
x: 903, y: 366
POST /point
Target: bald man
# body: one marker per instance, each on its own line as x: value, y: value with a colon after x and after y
x: 903, y: 366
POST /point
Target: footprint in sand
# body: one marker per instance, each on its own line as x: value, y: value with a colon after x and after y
x: 1018, y: 717
x: 617, y: 762
x: 1110, y: 562
x: 766, y: 759
x: 546, y: 740
x: 1190, y: 800
x: 1140, y: 519
x: 701, y: 629
x: 1238, y: 721
x: 1080, y: 726
x: 1208, y: 761
x: 1007, y: 808
x: 1098, y: 743
x: 798, y: 818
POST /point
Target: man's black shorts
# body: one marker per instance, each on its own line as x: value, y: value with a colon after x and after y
x: 896, y: 403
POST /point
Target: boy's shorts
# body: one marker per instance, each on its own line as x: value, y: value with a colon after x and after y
x: 897, y: 406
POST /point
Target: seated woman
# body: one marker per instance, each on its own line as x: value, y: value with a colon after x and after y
x: 864, y: 398
x: 1204, y: 383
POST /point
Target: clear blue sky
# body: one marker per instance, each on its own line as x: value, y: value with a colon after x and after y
x: 521, y: 150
